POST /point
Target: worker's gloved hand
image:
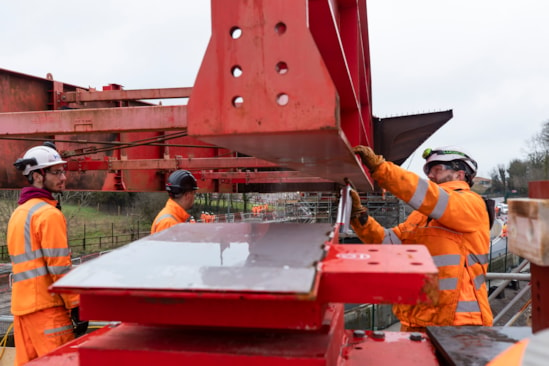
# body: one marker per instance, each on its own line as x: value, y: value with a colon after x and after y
x: 358, y: 211
x: 79, y: 326
x: 369, y: 157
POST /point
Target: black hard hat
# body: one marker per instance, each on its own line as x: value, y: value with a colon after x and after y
x: 181, y: 181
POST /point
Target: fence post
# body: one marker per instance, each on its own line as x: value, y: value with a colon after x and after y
x: 505, y: 261
x: 84, y: 240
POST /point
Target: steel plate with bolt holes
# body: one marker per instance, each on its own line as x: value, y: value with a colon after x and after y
x: 249, y: 257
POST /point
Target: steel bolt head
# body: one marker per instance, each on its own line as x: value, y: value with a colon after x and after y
x: 377, y: 334
x: 416, y: 336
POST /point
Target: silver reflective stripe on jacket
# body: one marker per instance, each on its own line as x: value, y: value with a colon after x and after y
x: 479, y: 281
x: 419, y: 196
x: 32, y: 211
x: 452, y: 282
x: 447, y: 283
x: 165, y: 216
x: 39, y: 253
x: 58, y: 329
x: 468, y: 307
x: 444, y: 260
x: 30, y: 254
x: 480, y: 259
x: 477, y: 258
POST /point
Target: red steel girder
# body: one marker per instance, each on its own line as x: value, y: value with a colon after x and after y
x: 540, y: 274
x: 388, y: 348
x: 80, y: 96
x: 201, y: 167
x: 167, y: 345
x: 348, y: 274
x: 249, y: 177
x: 388, y: 274
x: 330, y: 346
x: 77, y: 121
x: 341, y: 34
x: 275, y: 98
x: 170, y: 164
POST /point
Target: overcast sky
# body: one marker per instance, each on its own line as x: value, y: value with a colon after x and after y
x: 486, y: 60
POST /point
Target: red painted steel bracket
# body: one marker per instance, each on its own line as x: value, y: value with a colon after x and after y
x: 274, y: 96
x: 390, y: 274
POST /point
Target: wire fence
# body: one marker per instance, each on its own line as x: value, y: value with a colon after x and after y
x: 97, y: 243
x: 93, y: 243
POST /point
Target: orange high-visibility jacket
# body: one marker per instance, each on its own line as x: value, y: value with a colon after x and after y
x: 170, y: 215
x: 452, y: 222
x: 40, y: 255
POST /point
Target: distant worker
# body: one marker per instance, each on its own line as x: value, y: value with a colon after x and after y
x: 181, y: 188
x: 504, y: 231
x: 453, y: 223
x: 40, y: 255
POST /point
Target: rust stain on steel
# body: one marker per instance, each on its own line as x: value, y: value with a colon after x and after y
x: 430, y: 289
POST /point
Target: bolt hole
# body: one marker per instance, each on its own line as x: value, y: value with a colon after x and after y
x: 373, y: 263
x: 236, y: 32
x: 282, y: 99
x: 236, y: 71
x: 280, y: 28
x: 237, y: 102
x: 282, y: 68
x: 411, y: 250
x: 416, y: 263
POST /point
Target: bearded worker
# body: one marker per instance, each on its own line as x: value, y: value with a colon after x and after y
x: 453, y: 223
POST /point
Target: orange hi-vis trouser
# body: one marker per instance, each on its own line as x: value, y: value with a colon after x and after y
x: 41, y: 332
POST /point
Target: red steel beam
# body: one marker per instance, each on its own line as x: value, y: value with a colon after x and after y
x: 278, y: 94
x: 262, y: 177
x: 169, y: 164
x: 348, y: 274
x: 338, y: 28
x: 540, y: 274
x: 137, y: 94
x: 153, y: 118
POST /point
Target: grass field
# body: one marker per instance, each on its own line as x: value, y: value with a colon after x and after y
x: 88, y: 228
x: 92, y: 227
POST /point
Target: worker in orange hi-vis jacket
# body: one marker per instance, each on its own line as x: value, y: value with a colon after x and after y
x: 40, y: 255
x: 451, y: 220
x: 181, y: 188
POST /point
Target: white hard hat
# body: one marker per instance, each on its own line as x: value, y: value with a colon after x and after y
x: 446, y: 155
x: 38, y: 157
